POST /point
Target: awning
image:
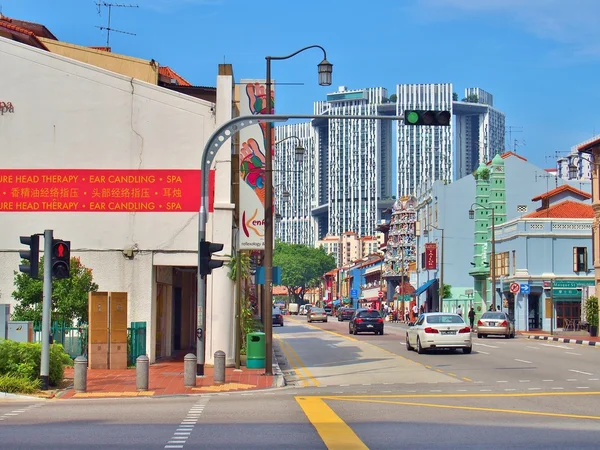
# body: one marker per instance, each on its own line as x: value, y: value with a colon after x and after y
x: 336, y: 302
x: 424, y: 287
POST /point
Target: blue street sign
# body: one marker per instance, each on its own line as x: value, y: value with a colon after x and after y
x: 525, y: 289
x: 354, y: 293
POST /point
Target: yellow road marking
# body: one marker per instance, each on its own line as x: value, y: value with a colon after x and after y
x: 297, y: 363
x: 334, y: 432
x: 451, y: 374
x: 475, y: 408
x: 507, y: 394
x: 326, y: 331
x: 292, y: 362
x: 466, y: 379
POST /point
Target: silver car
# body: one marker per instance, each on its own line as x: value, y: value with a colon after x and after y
x: 495, y: 323
x: 439, y: 330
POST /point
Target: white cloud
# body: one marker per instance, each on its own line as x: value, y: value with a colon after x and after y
x: 571, y: 22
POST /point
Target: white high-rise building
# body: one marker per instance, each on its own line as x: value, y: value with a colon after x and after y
x: 480, y: 131
x: 294, y: 222
x: 354, y: 163
x: 351, y: 170
x: 424, y: 152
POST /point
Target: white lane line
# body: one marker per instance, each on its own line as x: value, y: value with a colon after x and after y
x: 558, y: 388
x: 534, y: 389
x: 593, y: 379
x: 571, y: 379
x: 485, y: 353
x: 579, y: 371
x: 523, y: 361
x: 572, y: 353
x: 185, y: 428
x: 486, y: 345
x: 534, y: 348
x: 501, y: 381
x: 510, y: 389
x: 461, y: 390
x: 524, y: 381
x: 582, y: 387
x: 548, y: 381
x: 555, y: 346
x: 485, y: 390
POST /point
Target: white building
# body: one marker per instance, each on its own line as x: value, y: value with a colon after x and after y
x: 295, y: 223
x: 480, y: 131
x: 575, y: 160
x: 77, y: 118
x: 351, y: 162
x: 424, y: 152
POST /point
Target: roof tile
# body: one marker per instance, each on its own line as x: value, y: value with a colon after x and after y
x: 564, y: 210
x: 558, y: 190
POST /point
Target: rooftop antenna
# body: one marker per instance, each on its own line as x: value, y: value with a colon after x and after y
x: 109, y: 6
x: 511, y: 130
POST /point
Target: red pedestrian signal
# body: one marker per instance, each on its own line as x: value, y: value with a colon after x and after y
x: 61, y: 259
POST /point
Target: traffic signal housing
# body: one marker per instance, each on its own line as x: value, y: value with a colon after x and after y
x: 61, y: 259
x: 420, y: 117
x: 32, y: 255
x: 207, y: 264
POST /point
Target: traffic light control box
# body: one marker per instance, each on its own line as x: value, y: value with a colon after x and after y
x: 107, y: 347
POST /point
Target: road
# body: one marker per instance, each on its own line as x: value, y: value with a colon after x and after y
x: 348, y: 392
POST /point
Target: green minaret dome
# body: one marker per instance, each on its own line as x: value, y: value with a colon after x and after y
x: 497, y: 161
x: 481, y: 168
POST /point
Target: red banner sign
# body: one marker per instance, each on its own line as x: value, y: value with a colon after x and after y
x: 430, y: 256
x: 103, y: 190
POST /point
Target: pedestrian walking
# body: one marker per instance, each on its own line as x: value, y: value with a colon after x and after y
x: 459, y: 310
x: 472, y: 318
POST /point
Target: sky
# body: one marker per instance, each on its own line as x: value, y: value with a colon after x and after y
x: 539, y: 58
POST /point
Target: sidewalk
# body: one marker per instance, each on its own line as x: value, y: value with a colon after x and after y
x: 166, y: 378
x: 567, y: 338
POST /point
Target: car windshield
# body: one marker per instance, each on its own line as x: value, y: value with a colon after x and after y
x: 276, y: 311
x: 348, y: 310
x: 368, y: 314
x: 317, y: 310
x: 493, y: 315
x: 445, y: 318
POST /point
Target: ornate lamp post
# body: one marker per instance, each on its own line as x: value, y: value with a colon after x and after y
x: 325, y: 69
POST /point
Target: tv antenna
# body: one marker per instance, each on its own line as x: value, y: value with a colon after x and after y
x: 109, y: 6
x: 510, y: 131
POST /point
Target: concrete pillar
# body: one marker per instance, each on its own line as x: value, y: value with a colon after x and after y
x: 142, y: 368
x: 189, y: 370
x: 80, y: 376
x: 219, y: 367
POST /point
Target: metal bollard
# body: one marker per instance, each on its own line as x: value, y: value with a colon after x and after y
x: 189, y: 370
x: 219, y: 368
x: 80, y: 376
x: 142, y: 365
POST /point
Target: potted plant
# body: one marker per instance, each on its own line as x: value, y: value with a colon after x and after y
x: 591, y: 314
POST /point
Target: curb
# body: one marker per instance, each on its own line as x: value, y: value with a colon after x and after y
x: 565, y: 340
x: 278, y: 378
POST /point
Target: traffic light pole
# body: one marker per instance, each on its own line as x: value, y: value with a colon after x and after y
x: 46, y: 302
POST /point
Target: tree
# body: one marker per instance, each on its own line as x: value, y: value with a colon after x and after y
x: 447, y: 292
x: 301, y: 267
x: 69, y: 295
x: 393, y: 98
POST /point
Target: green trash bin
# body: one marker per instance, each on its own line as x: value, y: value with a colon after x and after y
x: 256, y: 346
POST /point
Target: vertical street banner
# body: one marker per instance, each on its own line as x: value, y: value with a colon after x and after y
x: 252, y: 95
x: 430, y: 256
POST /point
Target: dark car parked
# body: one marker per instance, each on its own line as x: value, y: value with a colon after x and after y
x: 368, y: 320
x: 328, y: 310
x: 277, y: 317
x: 345, y: 314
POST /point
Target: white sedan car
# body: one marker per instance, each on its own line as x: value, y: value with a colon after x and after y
x: 439, y: 330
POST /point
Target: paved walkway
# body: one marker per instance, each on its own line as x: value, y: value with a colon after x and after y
x: 166, y: 378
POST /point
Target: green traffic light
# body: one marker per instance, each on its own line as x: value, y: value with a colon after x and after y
x: 412, y: 117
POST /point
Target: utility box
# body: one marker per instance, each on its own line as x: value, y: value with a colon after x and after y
x: 4, y: 318
x: 20, y: 331
x: 107, y: 339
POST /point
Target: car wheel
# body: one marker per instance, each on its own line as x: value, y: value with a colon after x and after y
x: 349, y: 330
x: 309, y: 321
x: 467, y: 350
x: 325, y: 321
x: 420, y: 350
x: 507, y: 336
x: 282, y: 324
x: 339, y: 319
x: 479, y: 335
x: 355, y: 332
x: 408, y: 346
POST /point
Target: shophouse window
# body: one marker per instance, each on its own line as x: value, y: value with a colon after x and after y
x: 514, y: 261
x: 580, y: 259
x: 502, y: 268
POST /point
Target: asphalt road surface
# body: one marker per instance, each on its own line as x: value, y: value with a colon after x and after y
x: 349, y: 392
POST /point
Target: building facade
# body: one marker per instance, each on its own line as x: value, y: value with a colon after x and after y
x: 548, y: 254
x: 480, y: 131
x: 129, y: 196
x: 295, y: 223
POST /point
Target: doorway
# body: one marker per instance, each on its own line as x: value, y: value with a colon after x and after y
x: 177, y: 308
x: 534, y: 322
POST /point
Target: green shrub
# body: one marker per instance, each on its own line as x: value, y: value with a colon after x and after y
x: 15, y: 384
x: 22, y: 359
